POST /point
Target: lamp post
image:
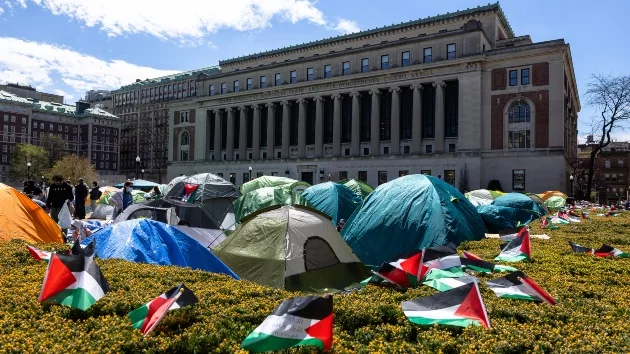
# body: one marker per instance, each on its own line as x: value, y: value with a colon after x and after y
x: 250, y: 173
x: 137, y: 166
x: 143, y: 173
x: 329, y: 177
x: 28, y: 170
x: 571, y: 179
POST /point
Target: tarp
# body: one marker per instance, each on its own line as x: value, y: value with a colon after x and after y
x: 333, y: 199
x: 209, y: 186
x: 408, y: 213
x: 509, y: 211
x: 20, y: 218
x: 263, y: 198
x: 293, y: 248
x: 555, y: 202
x: 139, y: 183
x: 361, y: 188
x: 148, y: 241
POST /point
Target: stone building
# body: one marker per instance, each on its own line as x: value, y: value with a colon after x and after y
x: 611, y: 179
x: 449, y: 95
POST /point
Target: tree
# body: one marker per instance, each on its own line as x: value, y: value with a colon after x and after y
x: 463, y: 180
x: 154, y: 129
x: 611, y: 95
x: 56, y: 147
x: 23, y: 154
x: 73, y: 167
x: 494, y: 185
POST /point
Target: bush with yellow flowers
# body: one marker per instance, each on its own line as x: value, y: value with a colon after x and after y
x: 591, y: 316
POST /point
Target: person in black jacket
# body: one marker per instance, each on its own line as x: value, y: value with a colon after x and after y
x: 80, y: 194
x: 95, y: 195
x: 58, y: 194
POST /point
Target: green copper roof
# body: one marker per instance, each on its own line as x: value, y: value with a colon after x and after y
x: 212, y: 70
x: 490, y: 7
x: 54, y: 108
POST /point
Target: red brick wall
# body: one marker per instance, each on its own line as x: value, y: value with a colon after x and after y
x: 176, y: 132
x: 540, y: 74
x: 191, y: 115
x: 176, y: 118
x: 541, y: 102
x: 499, y: 79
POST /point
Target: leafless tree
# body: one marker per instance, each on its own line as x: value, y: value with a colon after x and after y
x: 463, y: 180
x: 154, y: 140
x: 611, y: 96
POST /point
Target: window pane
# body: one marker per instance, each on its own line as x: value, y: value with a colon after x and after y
x: 365, y: 65
x: 346, y: 68
x: 327, y: 71
x: 427, y: 55
x: 450, y: 51
x: 384, y: 62
x: 263, y: 81
x: 406, y: 56
x: 524, y: 76
x: 293, y: 76
x: 309, y: 74
x: 513, y: 77
x: 249, y: 84
x: 236, y: 86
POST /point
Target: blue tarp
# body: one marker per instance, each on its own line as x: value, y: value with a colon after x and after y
x: 408, y: 213
x: 148, y: 241
x: 333, y: 199
x: 139, y: 183
x: 509, y: 211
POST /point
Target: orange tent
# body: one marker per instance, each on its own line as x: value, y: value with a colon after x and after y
x: 22, y: 219
x: 549, y: 194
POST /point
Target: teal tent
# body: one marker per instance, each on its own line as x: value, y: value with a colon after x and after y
x: 333, y: 199
x: 408, y: 213
x: 509, y: 211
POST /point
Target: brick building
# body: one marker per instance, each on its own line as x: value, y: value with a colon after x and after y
x: 612, y: 171
x: 89, y: 132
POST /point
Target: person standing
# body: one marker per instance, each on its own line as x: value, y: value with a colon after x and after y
x: 80, y: 194
x: 95, y: 195
x: 59, y: 193
x: 121, y: 200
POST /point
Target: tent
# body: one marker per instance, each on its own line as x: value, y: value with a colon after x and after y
x: 143, y: 211
x: 262, y: 198
x: 138, y: 196
x: 549, y: 194
x: 172, y: 184
x: 292, y: 248
x: 538, y: 201
x: 148, y: 241
x: 107, y: 193
x: 555, y: 202
x: 139, y: 184
x: 333, y: 199
x: 361, y: 188
x: 274, y: 181
x: 482, y: 196
x: 22, y: 219
x: 410, y: 212
x: 206, y: 186
x: 509, y: 211
x: 102, y: 211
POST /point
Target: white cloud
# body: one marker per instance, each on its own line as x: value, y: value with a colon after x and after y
x: 47, y: 66
x: 1, y: 11
x: 187, y: 19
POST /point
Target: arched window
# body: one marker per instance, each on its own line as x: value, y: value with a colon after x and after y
x: 519, y: 126
x: 184, y: 146
x: 519, y: 112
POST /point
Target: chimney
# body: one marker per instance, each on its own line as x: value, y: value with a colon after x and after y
x: 81, y: 107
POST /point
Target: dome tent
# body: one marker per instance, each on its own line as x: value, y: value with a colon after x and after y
x: 167, y: 188
x: 555, y: 202
x: 411, y: 212
x: 482, y: 196
x: 148, y: 241
x: 509, y: 211
x: 262, y: 198
x: 361, y: 188
x: 333, y: 199
x: 292, y: 248
x: 538, y: 201
x: 295, y: 186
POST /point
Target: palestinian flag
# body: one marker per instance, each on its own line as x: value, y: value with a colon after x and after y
x: 517, y: 285
x: 445, y: 284
x: 147, y: 317
x: 516, y: 250
x: 38, y: 254
x: 440, y: 262
x: 403, y: 271
x: 82, y: 250
x: 580, y: 249
x: 74, y: 281
x: 461, y: 306
x: 474, y: 262
x: 296, y: 322
x: 610, y: 251
x: 189, y: 192
x: 510, y: 234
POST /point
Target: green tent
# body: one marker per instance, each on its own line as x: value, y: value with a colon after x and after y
x: 361, y: 188
x: 333, y: 199
x: 555, y: 203
x: 263, y: 198
x: 138, y: 196
x: 292, y: 248
x: 274, y: 181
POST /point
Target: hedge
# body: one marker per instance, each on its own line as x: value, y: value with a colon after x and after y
x: 592, y: 314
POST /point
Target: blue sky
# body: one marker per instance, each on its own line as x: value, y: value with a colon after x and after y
x: 69, y: 46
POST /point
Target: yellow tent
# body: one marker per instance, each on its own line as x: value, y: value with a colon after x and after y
x: 549, y: 194
x: 22, y: 219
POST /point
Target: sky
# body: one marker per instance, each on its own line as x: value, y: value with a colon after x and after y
x: 70, y: 46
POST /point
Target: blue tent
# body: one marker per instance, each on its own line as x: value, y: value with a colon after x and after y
x: 333, y: 199
x: 148, y: 241
x: 410, y: 212
x: 139, y: 184
x: 509, y: 211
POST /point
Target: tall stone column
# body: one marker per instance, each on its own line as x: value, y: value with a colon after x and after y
x: 355, y: 141
x: 229, y: 147
x: 439, y: 116
x: 302, y: 128
x: 218, y: 121
x: 395, y: 132
x: 416, y: 123
x: 319, y: 126
x: 286, y: 128
x: 336, y: 125
x: 242, y: 134
x: 375, y: 122
x: 256, y: 133
x: 271, y: 130
x: 201, y: 122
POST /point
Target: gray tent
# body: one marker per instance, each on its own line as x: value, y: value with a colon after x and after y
x: 144, y: 211
x: 209, y: 186
x: 101, y: 211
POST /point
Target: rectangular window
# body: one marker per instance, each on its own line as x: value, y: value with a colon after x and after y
x: 249, y: 84
x: 451, y: 52
x: 513, y: 77
x: 4, y: 158
x: 309, y: 74
x: 23, y: 120
x: 343, y: 175
x: 4, y: 148
x: 451, y: 147
x: 403, y: 173
x: 60, y: 128
x: 6, y: 118
x: 66, y: 129
x: 12, y: 119
x: 525, y: 76
x: 35, y: 125
x: 183, y: 117
x: 223, y: 88
x: 607, y: 164
x: 293, y: 76
x: 263, y: 81
x: 278, y: 79
x: 211, y: 90
x: 365, y: 65
x: 425, y: 172
x: 233, y: 178
x: 363, y: 176
x: 382, y: 177
x: 74, y: 130
x: 384, y: 62
x: 235, y: 86
x: 449, y: 177
x: 345, y: 68
x: 41, y: 125
x: 518, y: 180
x: 406, y: 59
x: 518, y: 139
x: 428, y: 149
x: 51, y: 127
x: 327, y: 71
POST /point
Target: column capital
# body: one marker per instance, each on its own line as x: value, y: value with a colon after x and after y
x: 230, y: 109
x: 416, y: 86
x: 335, y: 96
x: 285, y: 103
x: 317, y: 98
x: 256, y: 106
x: 394, y: 89
x: 375, y: 92
x: 217, y: 110
x: 301, y: 100
x: 242, y: 108
x: 270, y: 104
x: 355, y: 93
x: 441, y: 83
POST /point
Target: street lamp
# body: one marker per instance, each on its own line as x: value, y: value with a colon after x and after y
x: 329, y: 177
x: 137, y: 166
x: 250, y: 173
x: 143, y: 173
x: 28, y: 169
x: 571, y: 179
